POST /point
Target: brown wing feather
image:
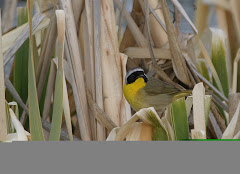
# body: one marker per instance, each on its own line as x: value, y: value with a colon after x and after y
x: 156, y: 87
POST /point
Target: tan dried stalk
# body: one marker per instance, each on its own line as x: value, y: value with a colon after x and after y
x: 235, y: 72
x: 159, y: 36
x: 99, y: 114
x: 233, y: 40
x: 201, y: 16
x: 137, y: 34
x: 98, y: 57
x: 221, y: 19
x: 177, y: 21
x: 125, y: 107
x: 8, y: 15
x: 214, y: 127
x: 49, y: 92
x: 159, y: 71
x: 111, y: 65
x: 220, y: 120
x: 159, y: 53
x: 235, y: 8
x: 86, y: 40
x: 121, y: 20
x: 198, y: 110
x: 77, y: 10
x: 219, y: 3
x: 75, y: 61
x: 231, y: 129
x: 3, y: 116
x: 70, y: 77
x: 128, y: 39
x: 233, y: 103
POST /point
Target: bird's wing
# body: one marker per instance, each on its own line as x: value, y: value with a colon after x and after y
x: 156, y: 87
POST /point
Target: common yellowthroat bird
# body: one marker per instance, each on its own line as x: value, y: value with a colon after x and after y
x: 143, y: 92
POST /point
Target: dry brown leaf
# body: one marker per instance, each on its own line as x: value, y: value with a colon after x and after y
x: 137, y: 52
x: 233, y: 103
x: 135, y: 132
x: 179, y: 64
x: 229, y: 132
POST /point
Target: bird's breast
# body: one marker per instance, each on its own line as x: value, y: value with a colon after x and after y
x: 131, y: 91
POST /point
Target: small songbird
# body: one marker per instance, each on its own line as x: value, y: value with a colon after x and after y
x: 143, y: 92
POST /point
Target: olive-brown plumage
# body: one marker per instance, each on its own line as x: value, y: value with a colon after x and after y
x: 143, y: 92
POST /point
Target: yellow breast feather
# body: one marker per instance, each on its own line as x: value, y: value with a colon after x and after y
x: 130, y: 90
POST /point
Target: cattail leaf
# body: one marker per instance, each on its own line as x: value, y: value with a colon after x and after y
x: 211, y: 66
x: 168, y: 128
x: 66, y: 109
x: 20, y: 78
x: 203, y: 69
x: 57, y: 108
x: 34, y: 114
x: 180, y: 119
x: 58, y: 95
x: 219, y: 59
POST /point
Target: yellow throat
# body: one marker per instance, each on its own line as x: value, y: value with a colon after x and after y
x: 130, y: 90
